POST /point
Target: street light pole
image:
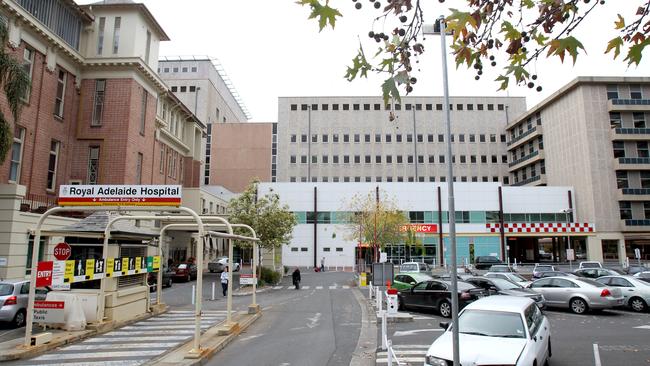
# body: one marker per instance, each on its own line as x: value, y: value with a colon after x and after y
x: 450, y: 184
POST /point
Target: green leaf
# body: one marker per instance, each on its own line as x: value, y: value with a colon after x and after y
x: 569, y: 44
x: 458, y: 21
x: 359, y: 65
x: 615, y: 44
x: 389, y: 90
x: 504, y: 82
x: 509, y: 31
x: 635, y: 53
x: 324, y: 13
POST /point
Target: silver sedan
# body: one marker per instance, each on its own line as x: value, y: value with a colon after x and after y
x: 635, y: 291
x: 577, y: 294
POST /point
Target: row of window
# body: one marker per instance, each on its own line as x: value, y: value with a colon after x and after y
x: 622, y: 179
x: 389, y: 179
x: 616, y: 91
x: 174, y: 162
x: 325, y: 249
x: 421, y: 217
x: 117, y: 25
x: 399, y: 159
x: 519, y: 129
x: 638, y: 120
x: 62, y: 77
x: 325, y: 138
x: 530, y: 171
x: 17, y: 150
x: 527, y: 149
x: 626, y: 210
x: 183, y: 89
x: 396, y: 107
x: 177, y: 69
x: 642, y: 149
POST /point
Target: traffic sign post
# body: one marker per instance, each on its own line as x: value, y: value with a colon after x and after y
x: 62, y: 251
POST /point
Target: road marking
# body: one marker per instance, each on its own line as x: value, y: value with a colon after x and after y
x: 406, y: 353
x: 251, y: 337
x: 313, y: 322
x: 596, y: 355
x: 643, y: 327
x: 333, y: 287
x: 107, y: 347
x: 415, y: 331
x: 277, y: 287
x: 319, y: 287
x: 58, y: 356
x: 305, y: 287
x: 346, y: 287
x: 409, y: 346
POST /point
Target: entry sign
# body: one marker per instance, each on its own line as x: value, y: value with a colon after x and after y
x: 49, y: 311
x: 44, y: 274
x: 247, y: 279
x: 62, y: 251
x: 570, y: 255
x: 120, y: 195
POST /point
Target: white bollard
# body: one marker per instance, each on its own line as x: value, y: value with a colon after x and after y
x: 389, y: 353
x: 380, y: 299
x: 193, y: 294
x: 213, y: 284
x: 370, y: 290
x: 384, y: 331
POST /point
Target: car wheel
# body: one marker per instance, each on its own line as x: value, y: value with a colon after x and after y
x: 189, y: 278
x: 550, y: 351
x: 400, y: 304
x: 578, y: 306
x: 637, y: 304
x: 19, y: 318
x: 169, y: 282
x: 445, y: 309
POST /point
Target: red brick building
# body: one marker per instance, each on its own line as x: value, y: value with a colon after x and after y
x: 97, y: 112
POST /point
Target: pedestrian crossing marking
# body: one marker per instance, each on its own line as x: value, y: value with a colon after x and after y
x: 277, y: 287
x: 305, y: 287
x: 319, y: 287
x: 83, y: 354
x: 333, y: 287
x: 407, y: 353
x: 346, y: 287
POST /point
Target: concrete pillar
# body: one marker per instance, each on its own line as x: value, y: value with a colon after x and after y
x: 622, y: 253
x: 594, y: 248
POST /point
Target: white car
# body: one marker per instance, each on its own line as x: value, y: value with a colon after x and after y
x: 635, y: 291
x: 590, y: 264
x: 218, y: 264
x: 496, y: 330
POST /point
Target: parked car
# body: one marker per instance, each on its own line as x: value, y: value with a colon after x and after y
x: 539, y: 268
x: 485, y: 262
x: 13, y: 301
x: 499, y: 286
x: 643, y: 276
x: 497, y: 330
x: 635, y: 291
x: 595, y: 272
x: 634, y: 269
x: 556, y: 274
x: 167, y: 279
x: 577, y: 294
x: 545, y: 256
x: 404, y: 281
x: 513, y: 277
x: 218, y: 265
x: 590, y: 264
x: 185, y: 272
x: 414, y: 267
x: 501, y: 268
x: 436, y: 294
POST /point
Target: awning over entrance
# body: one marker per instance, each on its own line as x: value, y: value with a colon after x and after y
x: 95, y: 224
x: 542, y: 227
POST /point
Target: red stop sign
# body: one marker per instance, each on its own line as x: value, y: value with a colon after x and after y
x: 62, y: 251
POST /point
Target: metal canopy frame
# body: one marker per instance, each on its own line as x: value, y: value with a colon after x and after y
x: 192, y: 215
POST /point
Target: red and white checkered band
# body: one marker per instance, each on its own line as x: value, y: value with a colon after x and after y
x: 542, y: 227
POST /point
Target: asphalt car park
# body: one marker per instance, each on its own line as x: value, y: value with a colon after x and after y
x: 613, y: 337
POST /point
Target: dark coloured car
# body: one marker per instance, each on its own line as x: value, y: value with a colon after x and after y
x: 167, y: 279
x: 595, y: 272
x: 404, y: 281
x: 436, y: 295
x: 485, y: 262
x: 185, y: 272
x: 499, y: 286
x: 634, y: 269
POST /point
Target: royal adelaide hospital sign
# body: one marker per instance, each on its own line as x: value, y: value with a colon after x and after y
x: 120, y: 195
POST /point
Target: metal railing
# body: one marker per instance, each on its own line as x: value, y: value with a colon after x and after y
x: 634, y: 160
x: 529, y: 180
x: 37, y: 203
x: 632, y: 131
x: 521, y: 136
x: 522, y: 159
x: 631, y: 101
x: 636, y: 191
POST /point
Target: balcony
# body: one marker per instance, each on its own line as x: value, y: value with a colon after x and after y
x: 531, y: 158
x: 628, y: 105
x: 538, y: 180
x: 531, y: 134
x: 635, y: 225
x: 632, y: 164
x: 630, y: 134
x: 634, y: 194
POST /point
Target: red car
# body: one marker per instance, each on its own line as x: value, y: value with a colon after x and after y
x: 185, y: 272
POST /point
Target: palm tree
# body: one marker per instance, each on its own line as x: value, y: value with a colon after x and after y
x: 15, y: 82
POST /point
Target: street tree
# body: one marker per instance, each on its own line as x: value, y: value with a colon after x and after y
x: 273, y: 222
x: 375, y: 221
x: 484, y: 32
x: 15, y: 83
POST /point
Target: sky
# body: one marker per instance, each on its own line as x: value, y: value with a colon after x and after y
x: 269, y: 49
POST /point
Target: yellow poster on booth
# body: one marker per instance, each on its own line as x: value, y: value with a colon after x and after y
x: 125, y: 266
x: 138, y: 264
x: 110, y: 262
x: 90, y: 269
x: 68, y: 274
x: 156, y: 263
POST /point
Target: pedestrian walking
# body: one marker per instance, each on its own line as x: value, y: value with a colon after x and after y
x: 322, y: 264
x: 224, y: 281
x: 296, y: 278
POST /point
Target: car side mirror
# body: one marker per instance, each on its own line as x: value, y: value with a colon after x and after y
x: 493, y: 288
x: 444, y: 325
x: 412, y: 283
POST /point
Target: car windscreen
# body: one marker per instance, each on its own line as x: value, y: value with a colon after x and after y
x: 182, y: 266
x: 590, y: 265
x: 502, y: 284
x: 6, y: 289
x: 463, y: 285
x: 590, y: 282
x: 408, y: 268
x: 544, y: 268
x: 491, y: 324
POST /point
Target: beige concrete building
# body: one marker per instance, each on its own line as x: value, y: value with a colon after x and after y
x: 351, y: 139
x: 592, y: 134
x: 241, y: 152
